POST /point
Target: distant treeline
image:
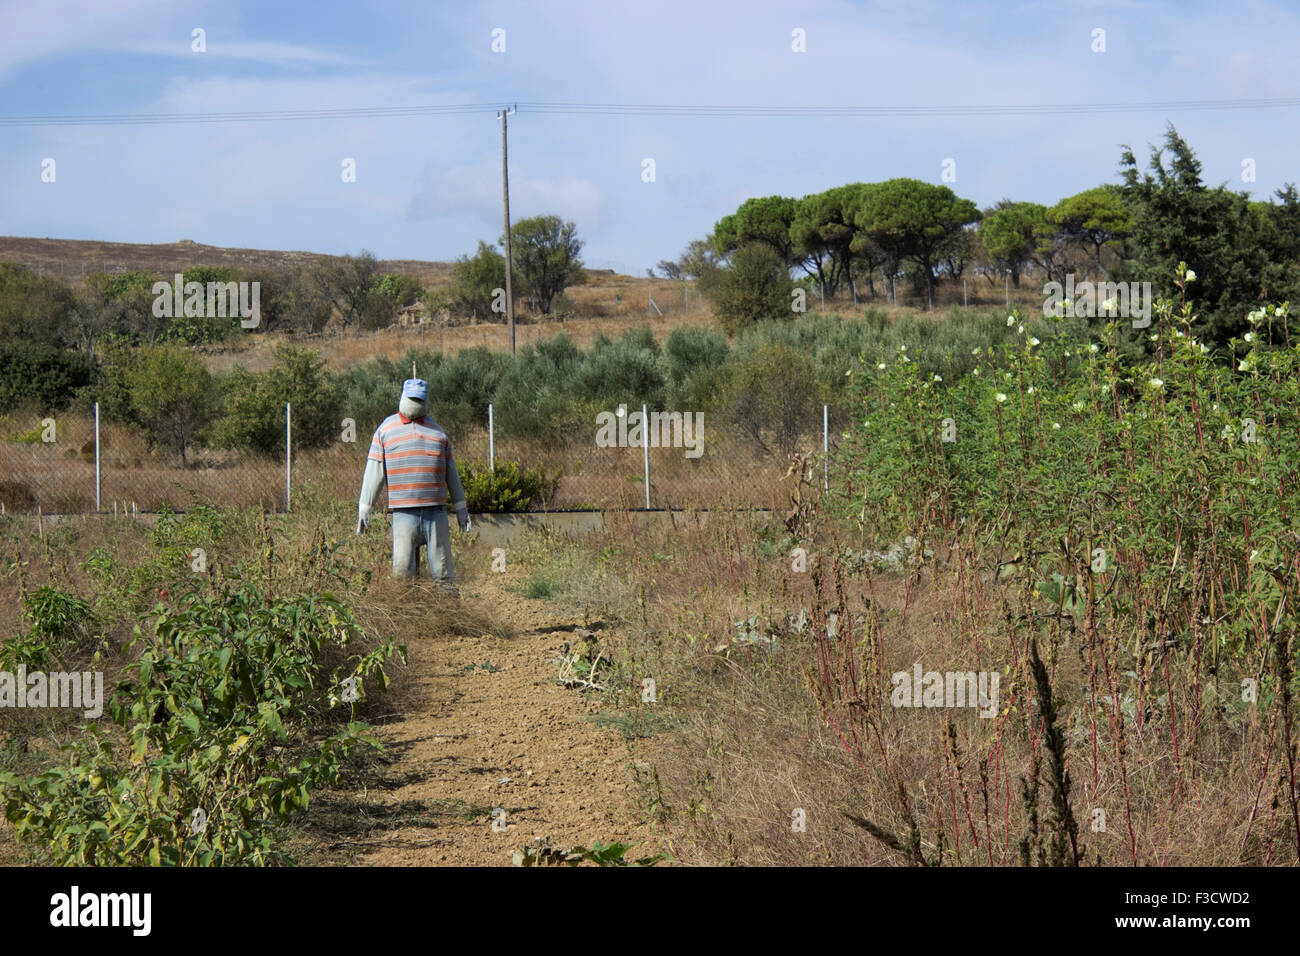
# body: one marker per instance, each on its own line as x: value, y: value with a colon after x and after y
x: 863, y: 237
x: 768, y: 385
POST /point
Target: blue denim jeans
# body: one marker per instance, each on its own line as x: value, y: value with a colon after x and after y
x: 413, y: 527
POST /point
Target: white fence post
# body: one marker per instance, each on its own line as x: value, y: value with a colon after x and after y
x: 97, y: 456
x: 492, y: 448
x: 288, y: 451
x: 826, y: 447
x: 645, y: 445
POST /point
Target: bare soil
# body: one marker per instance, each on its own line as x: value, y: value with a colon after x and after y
x: 483, y: 726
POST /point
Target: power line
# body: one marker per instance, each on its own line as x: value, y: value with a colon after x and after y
x: 650, y: 109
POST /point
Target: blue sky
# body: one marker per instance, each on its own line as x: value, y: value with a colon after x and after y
x: 428, y: 187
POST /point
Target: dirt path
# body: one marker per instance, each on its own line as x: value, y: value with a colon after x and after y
x: 484, y: 725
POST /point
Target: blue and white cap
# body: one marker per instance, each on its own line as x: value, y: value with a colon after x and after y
x: 416, y: 388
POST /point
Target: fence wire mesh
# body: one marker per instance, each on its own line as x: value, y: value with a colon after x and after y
x: 51, y: 468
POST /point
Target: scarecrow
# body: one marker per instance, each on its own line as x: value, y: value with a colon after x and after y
x: 410, y: 451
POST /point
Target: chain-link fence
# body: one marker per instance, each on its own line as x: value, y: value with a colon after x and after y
x: 72, y: 463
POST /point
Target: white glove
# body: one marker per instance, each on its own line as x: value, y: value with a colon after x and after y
x: 363, y: 518
x: 462, y: 516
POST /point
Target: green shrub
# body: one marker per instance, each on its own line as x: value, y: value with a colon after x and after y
x: 510, y: 488
x: 474, y: 280
x: 60, y: 621
x: 216, y: 712
x: 774, y: 399
x: 173, y: 394
x: 754, y: 286
x: 254, y: 417
x: 33, y: 373
x: 34, y: 309
x: 625, y: 370
x: 539, y: 586
x: 689, y: 349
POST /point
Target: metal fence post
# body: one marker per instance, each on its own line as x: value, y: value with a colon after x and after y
x: 826, y: 447
x: 97, y: 456
x: 288, y: 451
x: 645, y: 445
x: 492, y: 448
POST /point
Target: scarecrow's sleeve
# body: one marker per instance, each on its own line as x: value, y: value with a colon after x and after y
x: 374, y: 475
x: 454, y: 488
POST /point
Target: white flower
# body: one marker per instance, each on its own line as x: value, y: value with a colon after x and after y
x: 1157, y: 383
x: 1205, y: 350
x: 902, y: 348
x: 1108, y: 305
x: 1011, y: 320
x: 1007, y: 376
x: 1093, y: 348
x: 975, y: 351
x: 1056, y: 426
x: 1191, y: 275
x: 938, y: 378
x: 1077, y: 406
x: 1253, y: 556
x: 1030, y: 391
x: 880, y: 365
x: 1248, y: 337
x: 1067, y: 353
x: 1033, y: 341
x: 1001, y: 396
x: 975, y: 371
x: 1020, y: 330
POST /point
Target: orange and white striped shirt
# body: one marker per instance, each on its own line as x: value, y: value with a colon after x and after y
x: 415, y: 454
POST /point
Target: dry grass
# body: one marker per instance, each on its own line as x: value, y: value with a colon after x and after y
x: 60, y: 477
x: 759, y: 733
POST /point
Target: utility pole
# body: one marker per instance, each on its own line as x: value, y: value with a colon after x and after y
x: 505, y: 199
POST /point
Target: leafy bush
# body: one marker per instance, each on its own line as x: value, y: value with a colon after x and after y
x: 625, y: 370
x: 509, y: 488
x: 59, y: 622
x: 474, y: 281
x: 254, y: 417
x: 403, y: 290
x: 41, y: 374
x: 34, y: 309
x: 755, y: 285
x: 689, y: 349
x: 774, y: 400
x: 204, y: 329
x: 216, y: 712
x: 173, y: 394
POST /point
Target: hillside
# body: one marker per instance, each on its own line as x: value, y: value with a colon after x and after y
x: 73, y: 259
